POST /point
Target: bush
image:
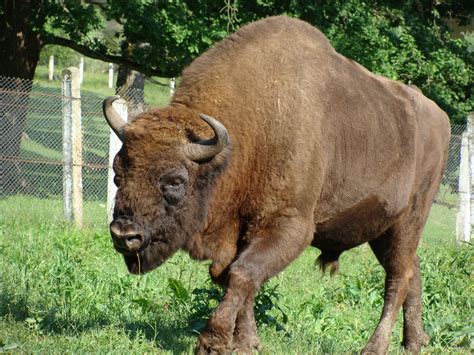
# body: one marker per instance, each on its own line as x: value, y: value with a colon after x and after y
x: 395, y: 40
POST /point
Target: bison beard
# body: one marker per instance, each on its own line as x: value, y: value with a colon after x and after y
x: 324, y: 153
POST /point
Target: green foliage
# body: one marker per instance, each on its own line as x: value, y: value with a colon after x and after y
x: 63, y: 57
x: 202, y: 301
x: 168, y: 34
x: 469, y: 38
x: 403, y: 40
x: 268, y: 311
x: 75, y: 20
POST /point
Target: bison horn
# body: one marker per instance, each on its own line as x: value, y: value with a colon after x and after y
x: 113, y: 118
x: 206, y: 149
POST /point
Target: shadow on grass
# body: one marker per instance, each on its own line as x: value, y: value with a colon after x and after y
x: 15, y: 307
x: 165, y: 334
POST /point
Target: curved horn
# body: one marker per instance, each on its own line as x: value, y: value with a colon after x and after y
x: 206, y: 149
x: 113, y: 118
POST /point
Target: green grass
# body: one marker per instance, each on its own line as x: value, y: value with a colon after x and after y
x: 440, y: 227
x: 20, y: 210
x: 96, y: 83
x: 34, y: 148
x: 65, y: 290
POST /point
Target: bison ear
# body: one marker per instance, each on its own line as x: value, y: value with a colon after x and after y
x: 192, y: 136
x: 207, y: 149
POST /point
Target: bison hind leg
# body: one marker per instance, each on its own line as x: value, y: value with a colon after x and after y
x: 329, y: 260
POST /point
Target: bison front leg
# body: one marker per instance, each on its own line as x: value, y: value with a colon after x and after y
x: 245, y: 338
x: 270, y: 248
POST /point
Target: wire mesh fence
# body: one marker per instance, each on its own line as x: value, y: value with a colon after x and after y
x: 33, y: 157
x: 449, y: 189
x: 34, y: 134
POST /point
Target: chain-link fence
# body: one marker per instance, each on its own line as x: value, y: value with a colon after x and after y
x: 48, y: 129
x: 449, y: 189
x: 34, y: 147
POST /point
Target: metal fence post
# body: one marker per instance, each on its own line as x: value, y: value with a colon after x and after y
x: 172, y: 86
x: 72, y: 146
x: 81, y: 70
x: 111, y: 75
x: 67, y: 146
x: 465, y: 214
x: 114, y: 146
x: 470, y: 137
x: 51, y: 68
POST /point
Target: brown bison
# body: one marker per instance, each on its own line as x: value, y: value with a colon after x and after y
x: 307, y: 148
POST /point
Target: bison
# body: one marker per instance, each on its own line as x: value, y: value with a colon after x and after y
x: 274, y: 142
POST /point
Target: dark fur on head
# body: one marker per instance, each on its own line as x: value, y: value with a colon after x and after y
x: 165, y: 225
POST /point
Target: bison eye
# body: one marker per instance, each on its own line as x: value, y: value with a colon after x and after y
x: 173, y: 185
x: 117, y: 180
x: 173, y: 192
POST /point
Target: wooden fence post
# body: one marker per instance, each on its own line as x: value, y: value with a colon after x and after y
x: 114, y: 146
x: 72, y: 146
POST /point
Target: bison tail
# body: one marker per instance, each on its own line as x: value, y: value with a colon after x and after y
x: 328, y: 260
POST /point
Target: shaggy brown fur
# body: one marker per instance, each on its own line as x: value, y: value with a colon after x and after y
x: 322, y: 153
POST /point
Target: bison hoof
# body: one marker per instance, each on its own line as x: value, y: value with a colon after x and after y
x: 371, y: 349
x: 413, y: 345
x: 246, y: 345
x: 210, y: 344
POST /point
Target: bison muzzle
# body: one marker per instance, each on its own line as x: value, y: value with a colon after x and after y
x: 274, y: 142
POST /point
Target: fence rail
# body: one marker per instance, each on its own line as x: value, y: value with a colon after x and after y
x: 34, y: 150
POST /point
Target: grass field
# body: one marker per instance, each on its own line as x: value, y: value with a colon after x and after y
x: 65, y: 290
x: 96, y: 83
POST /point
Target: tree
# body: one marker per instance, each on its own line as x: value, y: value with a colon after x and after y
x: 160, y: 36
x: 131, y: 86
x: 408, y: 40
x: 404, y: 40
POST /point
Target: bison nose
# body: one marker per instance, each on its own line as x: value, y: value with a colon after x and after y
x: 125, y: 237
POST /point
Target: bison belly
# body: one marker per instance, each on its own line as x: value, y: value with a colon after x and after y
x: 354, y: 226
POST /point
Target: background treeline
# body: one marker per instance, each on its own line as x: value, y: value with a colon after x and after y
x: 406, y: 40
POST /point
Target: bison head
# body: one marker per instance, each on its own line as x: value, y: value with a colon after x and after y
x: 163, y: 186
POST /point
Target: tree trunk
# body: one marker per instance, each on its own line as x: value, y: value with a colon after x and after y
x: 131, y: 86
x: 20, y: 47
